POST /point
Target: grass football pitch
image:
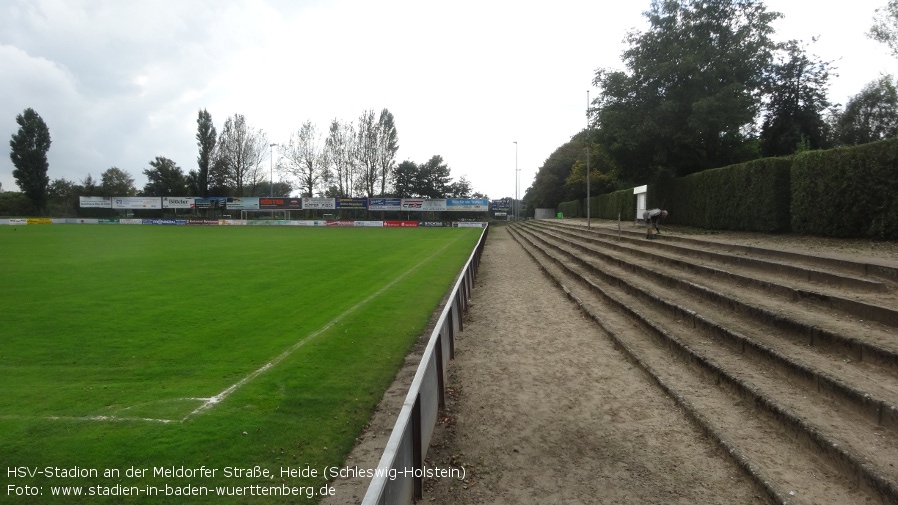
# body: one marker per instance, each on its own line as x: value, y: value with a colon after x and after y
x: 157, y: 364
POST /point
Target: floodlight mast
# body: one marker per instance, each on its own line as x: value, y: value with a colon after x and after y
x: 271, y: 175
x: 588, y: 226
x: 516, y: 209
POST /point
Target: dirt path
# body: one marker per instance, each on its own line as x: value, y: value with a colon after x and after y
x: 544, y: 409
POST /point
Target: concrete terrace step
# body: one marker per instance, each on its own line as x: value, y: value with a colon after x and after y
x: 840, y: 412
x: 839, y: 273
x: 879, y: 410
x: 870, y: 300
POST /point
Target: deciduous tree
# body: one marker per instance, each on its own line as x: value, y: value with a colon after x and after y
x: 366, y: 152
x: 870, y: 115
x: 116, y: 182
x: 691, y: 90
x: 306, y: 159
x: 460, y: 189
x: 434, y: 178
x: 387, y: 146
x: 205, y: 140
x: 340, y: 151
x: 885, y: 26
x: 240, y: 153
x: 405, y: 179
x: 28, y: 152
x: 62, y: 197
x: 796, y: 103
x: 164, y: 178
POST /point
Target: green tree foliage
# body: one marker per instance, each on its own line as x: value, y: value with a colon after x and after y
x: 387, y: 146
x: 870, y: 115
x: 278, y: 188
x: 601, y: 171
x: 432, y: 179
x: 885, y: 26
x: 28, y: 152
x: 89, y: 186
x: 14, y: 203
x: 692, y: 88
x: 205, y: 140
x: 549, y: 188
x: 220, y: 182
x: 797, y: 100
x: 62, y: 198
x: 435, y: 178
x: 460, y: 189
x: 164, y: 178
x: 116, y: 182
x: 405, y: 179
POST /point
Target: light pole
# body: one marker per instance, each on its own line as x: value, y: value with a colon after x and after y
x: 515, y: 209
x: 271, y: 175
x: 587, y: 160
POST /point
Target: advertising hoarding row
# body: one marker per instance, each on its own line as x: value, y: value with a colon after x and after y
x: 341, y: 223
x: 286, y: 203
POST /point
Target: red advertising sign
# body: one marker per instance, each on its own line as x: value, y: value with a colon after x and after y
x: 280, y: 203
x: 400, y: 224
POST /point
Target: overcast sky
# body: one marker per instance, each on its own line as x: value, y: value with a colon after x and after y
x: 119, y: 83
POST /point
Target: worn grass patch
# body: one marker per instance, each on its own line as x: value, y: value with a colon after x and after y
x: 116, y: 337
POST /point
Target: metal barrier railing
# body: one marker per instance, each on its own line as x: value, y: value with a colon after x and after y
x: 399, y: 477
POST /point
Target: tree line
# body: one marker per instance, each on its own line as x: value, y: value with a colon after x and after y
x: 353, y: 159
x: 706, y: 86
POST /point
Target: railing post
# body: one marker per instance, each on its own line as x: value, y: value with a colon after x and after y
x: 417, y: 449
x: 441, y: 382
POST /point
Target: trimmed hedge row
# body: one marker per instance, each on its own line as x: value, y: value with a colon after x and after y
x: 573, y: 208
x: 620, y: 203
x: 847, y: 192
x: 843, y: 192
x: 751, y: 196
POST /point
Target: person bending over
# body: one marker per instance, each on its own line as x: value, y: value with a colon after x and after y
x: 652, y: 218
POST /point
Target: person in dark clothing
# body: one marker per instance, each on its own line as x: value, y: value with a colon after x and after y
x: 652, y: 218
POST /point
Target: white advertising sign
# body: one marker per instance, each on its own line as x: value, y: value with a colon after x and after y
x: 177, y: 202
x: 319, y: 203
x: 95, y: 202
x: 136, y: 202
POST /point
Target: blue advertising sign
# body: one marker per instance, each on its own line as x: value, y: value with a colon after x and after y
x: 169, y: 222
x: 211, y: 202
x: 352, y: 203
x: 384, y: 204
x: 503, y: 204
x: 468, y: 204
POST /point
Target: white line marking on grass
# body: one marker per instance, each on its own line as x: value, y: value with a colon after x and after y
x: 93, y: 418
x: 212, y: 401
x: 110, y: 418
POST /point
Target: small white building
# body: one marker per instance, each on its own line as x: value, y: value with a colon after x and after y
x: 640, y: 193
x: 544, y: 214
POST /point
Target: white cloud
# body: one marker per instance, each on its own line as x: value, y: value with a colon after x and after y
x: 119, y: 83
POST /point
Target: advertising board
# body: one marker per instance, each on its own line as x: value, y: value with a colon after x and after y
x: 137, y: 202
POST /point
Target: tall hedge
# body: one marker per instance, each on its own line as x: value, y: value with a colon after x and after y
x: 572, y: 209
x: 752, y: 196
x: 608, y: 206
x: 847, y: 192
x: 613, y: 205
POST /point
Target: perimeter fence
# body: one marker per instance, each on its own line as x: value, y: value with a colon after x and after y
x: 401, y: 472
